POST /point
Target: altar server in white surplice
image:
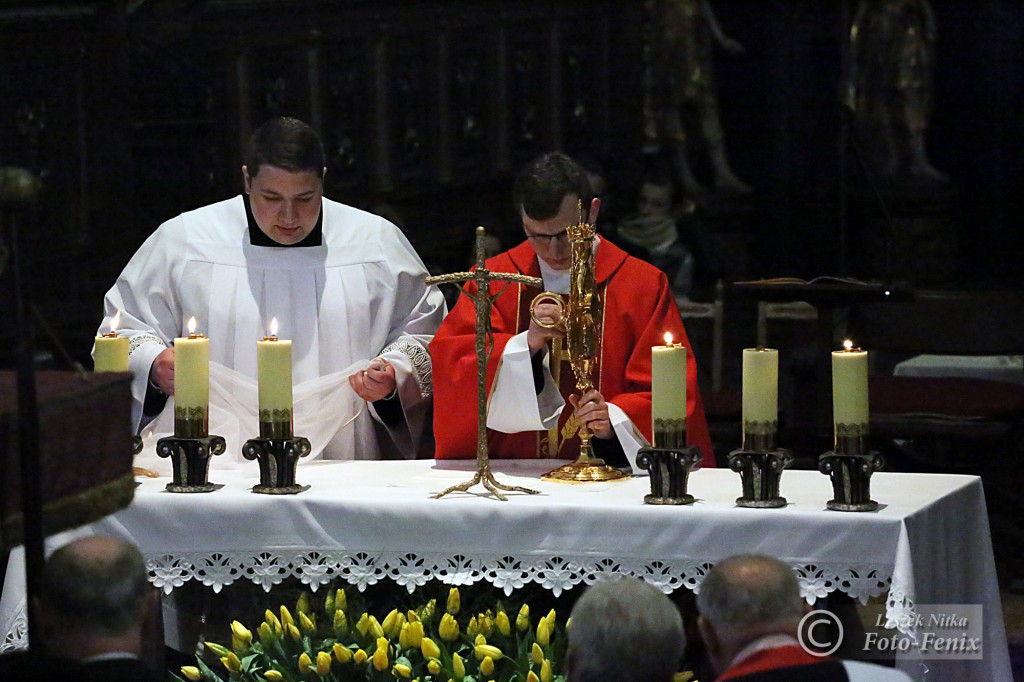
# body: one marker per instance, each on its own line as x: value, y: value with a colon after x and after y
x: 344, y: 285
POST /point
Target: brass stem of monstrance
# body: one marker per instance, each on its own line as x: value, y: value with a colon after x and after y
x: 582, y: 321
x: 483, y: 301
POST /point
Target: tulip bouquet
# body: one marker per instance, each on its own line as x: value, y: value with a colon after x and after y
x: 431, y: 643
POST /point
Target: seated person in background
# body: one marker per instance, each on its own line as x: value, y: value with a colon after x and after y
x: 533, y: 409
x: 95, y: 609
x: 671, y: 238
x: 750, y: 610
x: 345, y: 286
x: 627, y: 631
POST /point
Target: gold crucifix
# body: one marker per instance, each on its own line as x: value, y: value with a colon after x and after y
x: 482, y: 301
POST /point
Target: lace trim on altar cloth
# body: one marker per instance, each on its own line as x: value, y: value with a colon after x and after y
x: 421, y: 366
x: 316, y: 568
x: 140, y: 339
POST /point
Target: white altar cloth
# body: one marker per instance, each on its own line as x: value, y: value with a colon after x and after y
x: 367, y: 521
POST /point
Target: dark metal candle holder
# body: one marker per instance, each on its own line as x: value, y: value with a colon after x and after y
x: 670, y: 471
x: 850, y: 466
x: 759, y: 464
x: 278, y: 458
x: 190, y: 461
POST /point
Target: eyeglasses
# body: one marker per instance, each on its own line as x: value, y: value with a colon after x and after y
x: 549, y: 239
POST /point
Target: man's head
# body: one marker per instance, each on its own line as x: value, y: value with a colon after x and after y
x: 95, y: 592
x: 743, y: 598
x: 655, y: 198
x: 284, y: 171
x: 548, y: 193
x: 626, y: 631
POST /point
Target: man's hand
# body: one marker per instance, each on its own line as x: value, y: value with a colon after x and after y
x: 592, y: 411
x: 536, y: 335
x: 161, y: 372
x: 375, y: 382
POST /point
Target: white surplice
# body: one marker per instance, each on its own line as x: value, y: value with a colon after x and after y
x: 359, y: 295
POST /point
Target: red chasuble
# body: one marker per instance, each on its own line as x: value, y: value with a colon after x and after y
x: 638, y: 309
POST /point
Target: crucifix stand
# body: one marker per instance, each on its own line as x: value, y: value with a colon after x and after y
x: 483, y: 301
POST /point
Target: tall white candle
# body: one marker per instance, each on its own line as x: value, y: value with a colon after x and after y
x: 192, y: 377
x: 760, y: 385
x: 111, y: 351
x: 850, y: 386
x: 274, y: 371
x: 668, y: 381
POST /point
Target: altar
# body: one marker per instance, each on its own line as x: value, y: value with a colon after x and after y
x: 368, y: 521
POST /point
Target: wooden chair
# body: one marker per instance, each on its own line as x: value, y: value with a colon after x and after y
x: 947, y: 419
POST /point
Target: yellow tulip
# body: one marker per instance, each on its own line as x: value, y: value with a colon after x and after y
x: 239, y: 646
x: 307, y: 624
x: 380, y: 658
x: 479, y: 639
x: 486, y: 625
x: 685, y: 676
x: 428, y: 610
x: 454, y: 601
x: 504, y: 626
x: 329, y: 605
x: 363, y: 624
x: 523, y: 619
x: 240, y: 631
x: 232, y: 663
x: 487, y: 666
x: 374, y: 628
x: 545, y: 671
x: 286, y: 617
x: 448, y: 628
x: 342, y: 653
x: 543, y: 632
x: 411, y: 616
x: 433, y: 666
x: 389, y: 623
x: 536, y: 654
x: 267, y: 635
x: 323, y: 663
x: 273, y: 676
x: 340, y: 623
x: 274, y: 623
x: 293, y: 632
x: 532, y: 677
x: 568, y: 623
x: 305, y: 663
x: 487, y: 650
x: 411, y: 636
x: 217, y: 649
x: 340, y: 600
x: 302, y: 605
x: 551, y: 617
x: 402, y: 670
x: 473, y: 628
x: 429, y: 648
x: 458, y: 667
x: 191, y: 673
x: 359, y: 656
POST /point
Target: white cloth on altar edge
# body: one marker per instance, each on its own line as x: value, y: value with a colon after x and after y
x: 323, y: 408
x: 515, y: 406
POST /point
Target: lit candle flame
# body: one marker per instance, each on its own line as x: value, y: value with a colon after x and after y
x: 191, y: 325
x: 847, y: 345
x: 668, y: 338
x: 273, y: 326
x: 115, y: 323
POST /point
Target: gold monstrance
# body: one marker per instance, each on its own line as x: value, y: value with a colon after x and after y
x: 582, y: 319
x: 483, y: 301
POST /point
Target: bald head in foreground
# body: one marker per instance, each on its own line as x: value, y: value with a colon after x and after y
x: 626, y: 631
x: 750, y: 612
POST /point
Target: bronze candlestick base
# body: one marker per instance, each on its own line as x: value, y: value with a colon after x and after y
x: 278, y: 458
x: 760, y: 472
x: 190, y: 461
x: 851, y: 479
x: 670, y: 471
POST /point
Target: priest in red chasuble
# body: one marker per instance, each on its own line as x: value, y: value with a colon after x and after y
x: 534, y: 409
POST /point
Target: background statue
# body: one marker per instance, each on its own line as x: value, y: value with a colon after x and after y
x: 892, y: 45
x: 681, y: 107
